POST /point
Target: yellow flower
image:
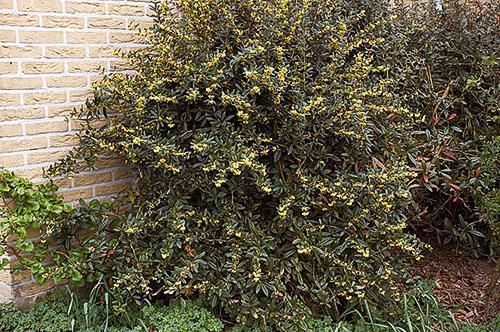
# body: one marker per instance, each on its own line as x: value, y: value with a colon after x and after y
x: 220, y: 182
x: 255, y: 90
x: 235, y: 168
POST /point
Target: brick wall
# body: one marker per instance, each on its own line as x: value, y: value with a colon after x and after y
x: 51, y: 51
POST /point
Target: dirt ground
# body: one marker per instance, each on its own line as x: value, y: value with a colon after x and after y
x: 461, y: 282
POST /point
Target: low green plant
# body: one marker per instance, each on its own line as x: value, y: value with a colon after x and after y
x: 182, y: 317
x: 44, y: 316
x: 66, y: 312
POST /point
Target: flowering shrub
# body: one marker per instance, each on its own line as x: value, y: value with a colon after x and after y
x: 445, y: 64
x: 269, y: 159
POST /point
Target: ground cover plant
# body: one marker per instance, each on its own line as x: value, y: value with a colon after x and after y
x: 66, y: 311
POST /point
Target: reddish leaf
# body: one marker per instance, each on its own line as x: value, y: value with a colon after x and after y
x: 452, y: 116
x: 189, y: 251
x: 454, y: 186
x: 463, y: 202
x: 478, y: 172
x: 455, y: 199
x: 393, y: 117
x: 378, y: 163
x: 426, y: 178
x: 448, y: 154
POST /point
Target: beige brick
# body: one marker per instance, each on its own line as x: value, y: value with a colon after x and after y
x: 142, y: 23
x: 6, y: 4
x: 135, y: 48
x: 63, y: 141
x: 7, y: 36
x: 8, y: 100
x: 64, y: 52
x: 126, y: 9
x: 122, y: 173
x: 20, y: 83
x: 108, y: 162
x: 62, y: 182
x: 46, y: 127
x: 51, y: 97
x: 23, y: 144
x: 104, y: 51
x: 76, y: 194
x: 8, y: 68
x: 106, y: 23
x: 150, y: 11
x: 19, y: 20
x: 25, y: 290
x: 80, y: 95
x: 9, y: 278
x: 86, y: 37
x: 45, y: 156
x: 21, y: 114
x: 62, y: 22
x: 41, y: 36
x: 8, y: 130
x: 39, y: 5
x: 61, y: 110
x: 96, y: 78
x: 59, y: 182
x: 124, y: 37
x: 30, y: 173
x: 6, y: 291
x: 66, y: 81
x: 119, y: 65
x: 85, y: 7
x: 11, y: 51
x: 76, y: 124
x: 86, y: 66
x: 11, y: 160
x: 43, y: 67
x: 111, y: 189
x: 88, y: 179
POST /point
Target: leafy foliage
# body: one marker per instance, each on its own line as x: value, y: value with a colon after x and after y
x: 487, y: 196
x: 36, y: 226
x: 26, y: 206
x: 445, y: 64
x: 269, y: 158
